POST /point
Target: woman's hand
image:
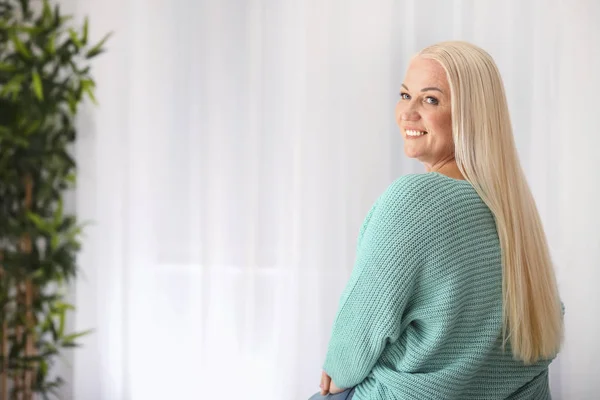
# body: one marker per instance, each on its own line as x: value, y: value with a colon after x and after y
x: 327, y: 386
x: 325, y: 383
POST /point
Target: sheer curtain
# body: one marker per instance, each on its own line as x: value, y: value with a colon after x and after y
x: 236, y: 150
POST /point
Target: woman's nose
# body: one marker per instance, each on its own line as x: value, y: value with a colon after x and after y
x: 407, y: 111
x: 409, y: 114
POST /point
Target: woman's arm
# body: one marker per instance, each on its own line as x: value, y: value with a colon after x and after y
x: 377, y: 293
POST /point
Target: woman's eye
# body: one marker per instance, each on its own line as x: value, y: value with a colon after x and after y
x: 404, y: 96
x: 431, y: 100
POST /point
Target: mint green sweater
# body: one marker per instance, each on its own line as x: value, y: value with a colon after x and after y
x: 421, y: 316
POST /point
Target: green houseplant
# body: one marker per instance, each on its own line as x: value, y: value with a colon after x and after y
x: 44, y: 77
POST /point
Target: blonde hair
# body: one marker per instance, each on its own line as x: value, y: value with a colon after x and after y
x: 486, y: 155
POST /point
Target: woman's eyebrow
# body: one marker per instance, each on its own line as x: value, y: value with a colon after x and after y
x: 425, y: 89
x: 431, y: 88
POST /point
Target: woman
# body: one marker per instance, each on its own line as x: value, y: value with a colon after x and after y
x: 453, y: 295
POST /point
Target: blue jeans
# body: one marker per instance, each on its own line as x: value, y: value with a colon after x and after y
x: 345, y: 395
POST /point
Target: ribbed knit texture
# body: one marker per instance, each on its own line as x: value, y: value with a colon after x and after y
x: 421, y: 316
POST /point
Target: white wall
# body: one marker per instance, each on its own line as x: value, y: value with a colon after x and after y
x: 319, y: 82
x: 576, y: 174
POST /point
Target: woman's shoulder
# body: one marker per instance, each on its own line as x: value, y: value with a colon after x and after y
x: 429, y: 195
x: 406, y: 195
x: 424, y: 187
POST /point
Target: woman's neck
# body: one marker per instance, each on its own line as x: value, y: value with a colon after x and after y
x: 449, y: 169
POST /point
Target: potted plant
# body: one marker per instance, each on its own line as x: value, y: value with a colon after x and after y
x: 44, y: 77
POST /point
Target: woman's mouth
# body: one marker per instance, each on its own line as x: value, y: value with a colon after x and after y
x: 413, y: 133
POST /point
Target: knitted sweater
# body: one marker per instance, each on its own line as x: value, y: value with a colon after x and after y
x: 421, y: 315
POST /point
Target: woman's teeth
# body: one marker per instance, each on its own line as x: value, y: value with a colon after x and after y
x: 415, y: 133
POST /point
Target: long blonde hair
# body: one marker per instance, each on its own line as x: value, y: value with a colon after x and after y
x: 486, y: 155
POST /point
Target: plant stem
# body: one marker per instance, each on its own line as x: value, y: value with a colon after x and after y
x: 3, y: 344
x: 27, y: 298
x: 20, y: 333
x: 4, y: 353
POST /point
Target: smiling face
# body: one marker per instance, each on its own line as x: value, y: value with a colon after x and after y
x: 424, y: 116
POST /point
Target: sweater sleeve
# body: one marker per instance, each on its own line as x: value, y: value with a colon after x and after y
x: 377, y: 293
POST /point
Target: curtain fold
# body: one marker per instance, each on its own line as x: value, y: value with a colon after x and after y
x: 239, y: 144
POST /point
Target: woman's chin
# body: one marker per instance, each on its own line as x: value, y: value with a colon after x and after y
x: 411, y: 153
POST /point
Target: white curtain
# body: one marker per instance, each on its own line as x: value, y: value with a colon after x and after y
x: 236, y: 149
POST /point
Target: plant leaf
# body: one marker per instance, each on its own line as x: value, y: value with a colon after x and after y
x: 51, y: 44
x: 37, y: 86
x: 24, y: 51
x: 61, y: 323
x: 6, y: 67
x: 14, y: 85
x: 64, y: 306
x: 38, y: 221
x: 59, y: 212
x: 75, y: 39
x: 86, y: 29
x: 71, y: 338
x: 33, y: 126
x: 87, y: 85
x: 54, y: 242
x: 97, y: 49
x: 43, y: 368
x: 32, y: 30
x: 47, y: 12
x: 38, y: 274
